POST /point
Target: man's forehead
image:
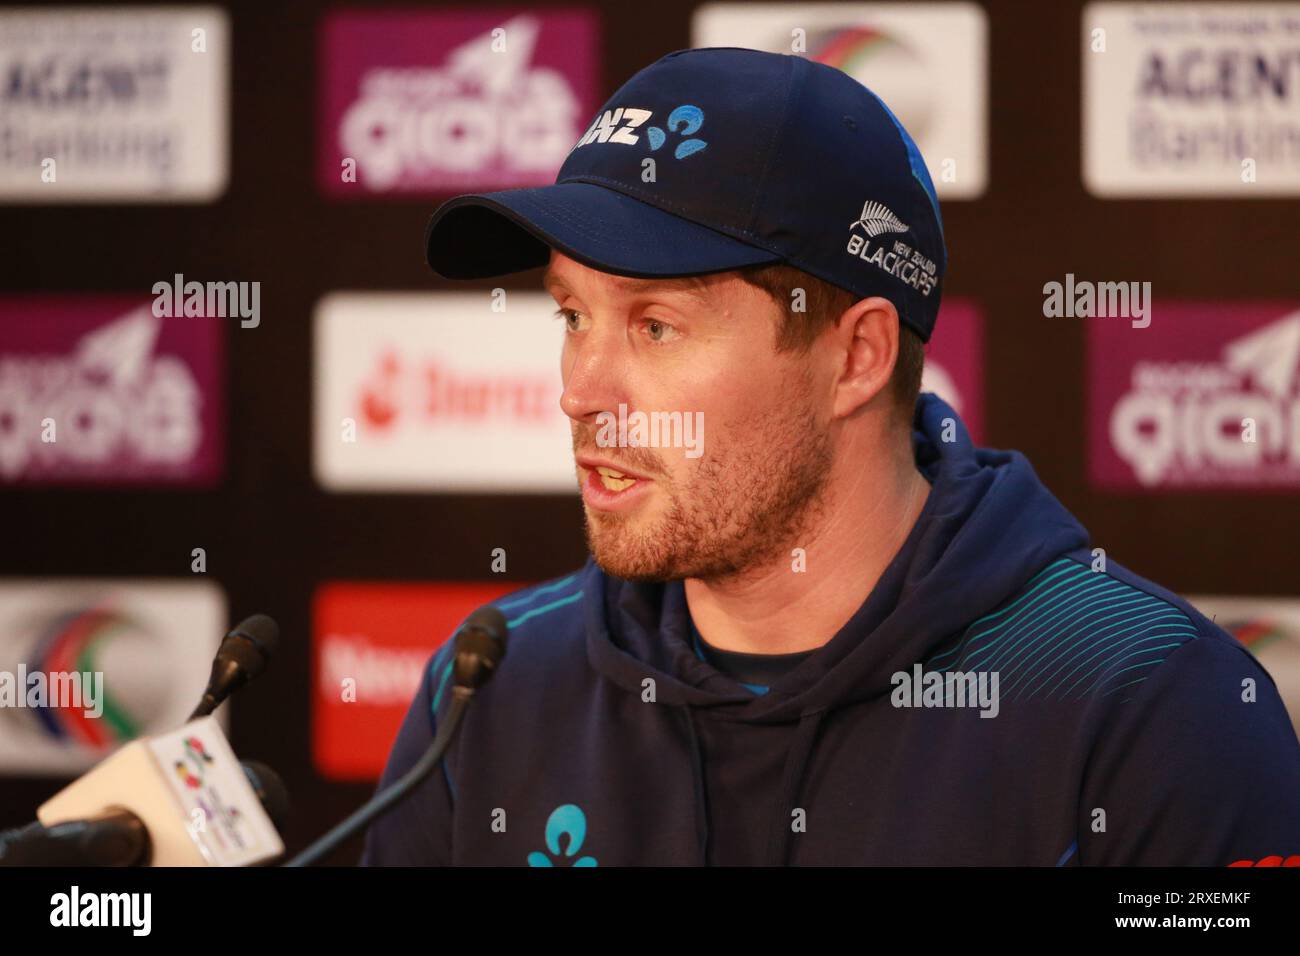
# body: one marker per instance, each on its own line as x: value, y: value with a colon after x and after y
x: 566, y: 273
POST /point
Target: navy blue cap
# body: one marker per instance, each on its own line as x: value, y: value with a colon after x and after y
x: 713, y: 159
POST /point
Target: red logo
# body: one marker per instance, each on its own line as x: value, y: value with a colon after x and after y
x: 1269, y: 861
x: 370, y: 645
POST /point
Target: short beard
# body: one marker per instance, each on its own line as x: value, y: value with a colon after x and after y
x: 742, y: 511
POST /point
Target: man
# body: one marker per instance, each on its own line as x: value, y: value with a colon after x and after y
x: 840, y: 634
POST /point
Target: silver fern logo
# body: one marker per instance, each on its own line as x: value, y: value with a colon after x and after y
x: 877, y: 219
x: 890, y: 255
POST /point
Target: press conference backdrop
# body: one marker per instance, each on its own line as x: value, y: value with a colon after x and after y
x: 367, y: 452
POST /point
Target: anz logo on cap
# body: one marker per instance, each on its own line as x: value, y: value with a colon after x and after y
x: 617, y: 126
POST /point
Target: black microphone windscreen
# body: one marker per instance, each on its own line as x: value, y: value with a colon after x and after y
x: 261, y: 631
x: 270, y: 789
x: 490, y: 619
x: 480, y: 645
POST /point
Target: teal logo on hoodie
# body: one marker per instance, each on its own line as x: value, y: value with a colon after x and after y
x: 566, y: 821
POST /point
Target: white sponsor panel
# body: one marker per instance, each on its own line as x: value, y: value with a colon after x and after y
x: 1270, y: 629
x: 124, y: 104
x: 438, y: 392
x: 152, y: 640
x: 1191, y: 99
x: 928, y: 62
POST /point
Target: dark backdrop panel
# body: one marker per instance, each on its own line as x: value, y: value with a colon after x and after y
x: 272, y: 536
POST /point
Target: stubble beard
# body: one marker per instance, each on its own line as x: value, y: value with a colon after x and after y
x: 745, y: 507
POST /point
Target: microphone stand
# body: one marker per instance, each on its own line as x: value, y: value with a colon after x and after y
x: 385, y: 800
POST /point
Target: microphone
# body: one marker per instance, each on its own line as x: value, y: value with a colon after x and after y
x: 271, y: 791
x: 197, y: 805
x: 480, y: 644
x: 118, y: 837
x: 234, y: 810
x: 243, y: 654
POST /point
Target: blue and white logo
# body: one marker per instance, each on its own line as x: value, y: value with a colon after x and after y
x: 616, y: 126
x: 566, y: 821
x: 686, y: 119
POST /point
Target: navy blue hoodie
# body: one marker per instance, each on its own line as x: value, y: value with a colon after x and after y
x: 1126, y: 728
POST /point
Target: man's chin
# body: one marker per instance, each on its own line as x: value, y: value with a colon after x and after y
x: 621, y: 552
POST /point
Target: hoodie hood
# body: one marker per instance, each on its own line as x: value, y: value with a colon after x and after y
x: 987, y: 527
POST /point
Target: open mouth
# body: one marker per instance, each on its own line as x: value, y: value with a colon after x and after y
x: 610, y: 489
x: 612, y: 480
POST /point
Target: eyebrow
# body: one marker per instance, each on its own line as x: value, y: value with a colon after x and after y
x: 695, y: 286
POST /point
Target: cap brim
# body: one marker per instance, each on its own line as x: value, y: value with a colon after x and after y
x: 492, y: 234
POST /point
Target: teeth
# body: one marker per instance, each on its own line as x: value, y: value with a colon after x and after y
x: 614, y: 480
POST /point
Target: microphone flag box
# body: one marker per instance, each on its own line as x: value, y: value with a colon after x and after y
x: 190, y: 791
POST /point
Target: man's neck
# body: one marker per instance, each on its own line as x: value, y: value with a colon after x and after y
x: 779, y: 609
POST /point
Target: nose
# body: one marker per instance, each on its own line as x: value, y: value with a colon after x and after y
x: 592, y: 367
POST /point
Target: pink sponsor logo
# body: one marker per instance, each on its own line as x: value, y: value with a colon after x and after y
x: 99, y: 390
x: 449, y: 100
x: 1208, y: 397
x: 954, y: 362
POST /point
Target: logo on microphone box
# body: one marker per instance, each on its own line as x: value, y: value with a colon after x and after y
x: 225, y: 818
x: 152, y: 641
x: 370, y: 645
x: 97, y: 390
x: 1207, y: 398
x: 421, y: 102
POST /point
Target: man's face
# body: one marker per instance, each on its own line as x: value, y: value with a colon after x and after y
x: 703, y: 345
